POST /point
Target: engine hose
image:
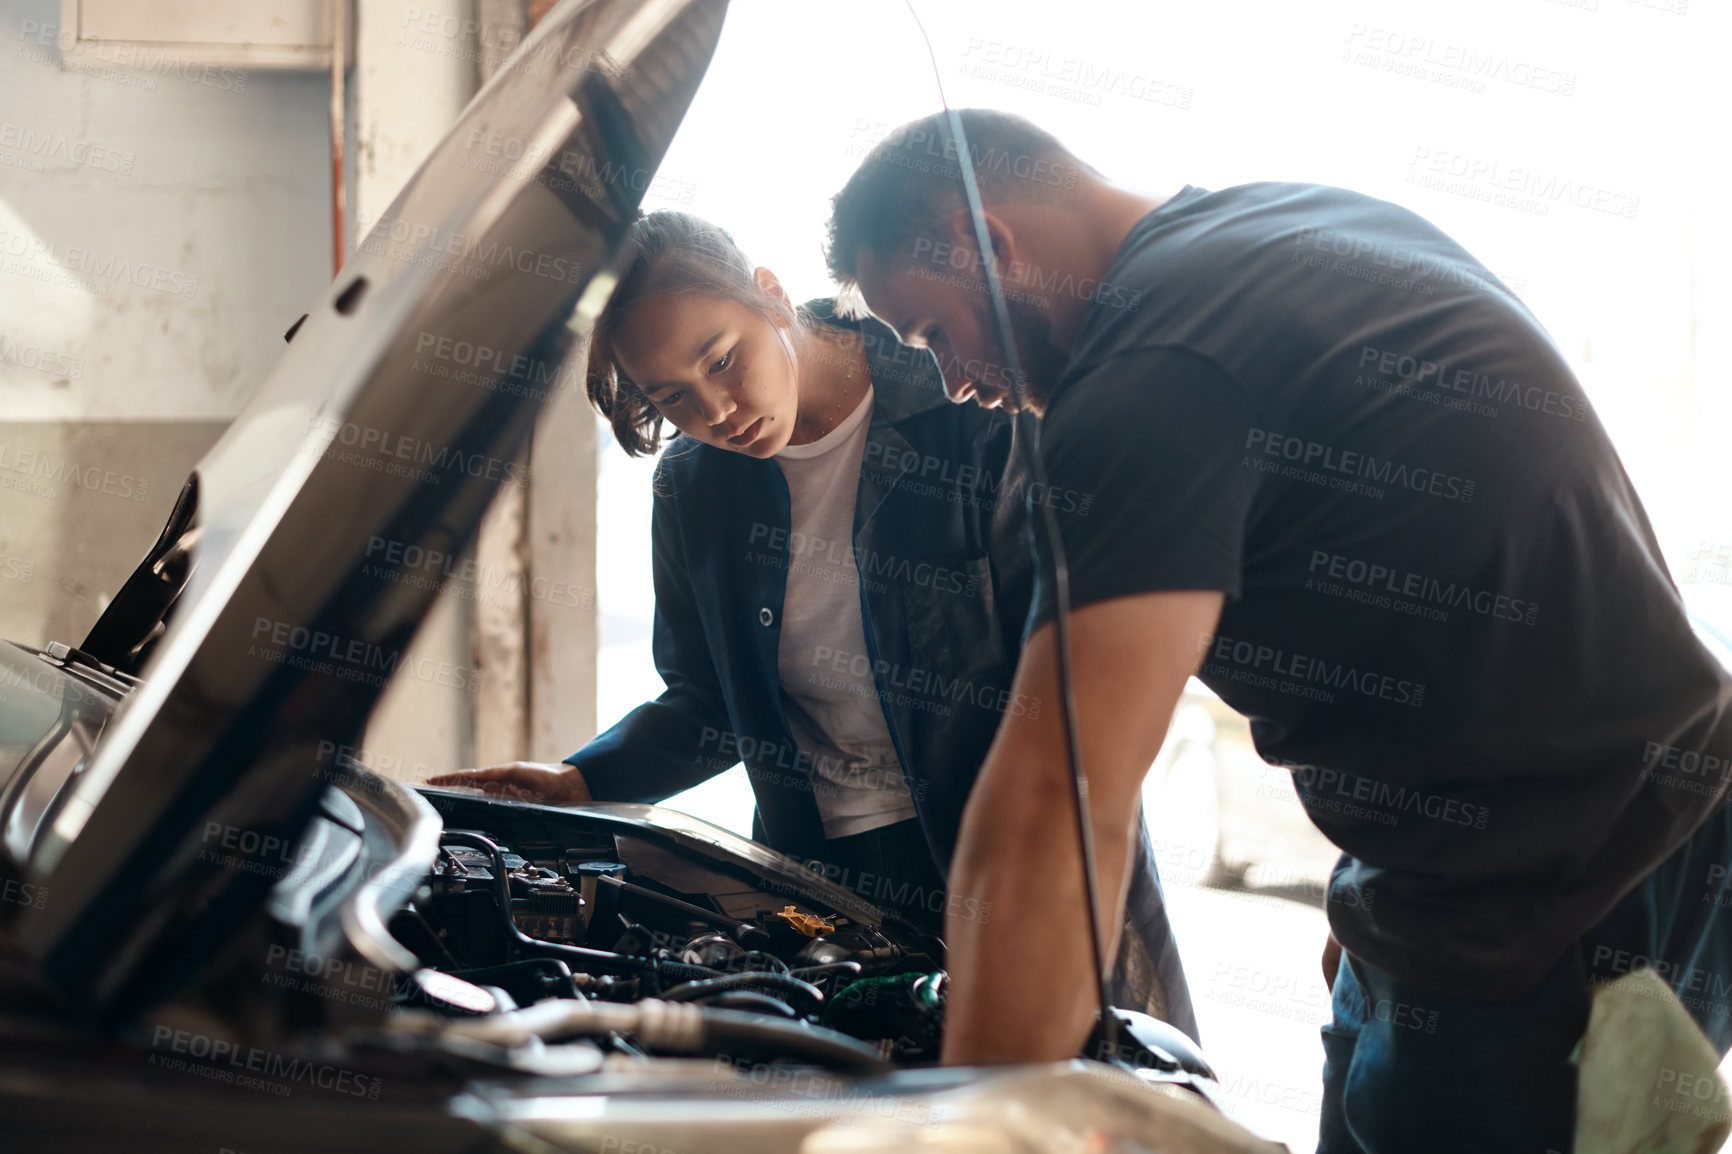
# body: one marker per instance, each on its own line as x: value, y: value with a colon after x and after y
x: 677, y: 1027
x: 730, y: 1031
x: 757, y: 961
x: 775, y: 985
x: 828, y: 969
x: 750, y: 1000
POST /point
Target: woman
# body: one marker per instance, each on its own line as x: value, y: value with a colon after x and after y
x: 842, y: 574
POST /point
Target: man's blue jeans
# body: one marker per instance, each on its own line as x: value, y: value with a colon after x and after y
x: 1406, y: 1070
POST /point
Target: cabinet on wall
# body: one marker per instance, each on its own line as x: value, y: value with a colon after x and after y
x: 214, y: 33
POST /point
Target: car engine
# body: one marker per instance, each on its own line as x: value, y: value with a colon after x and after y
x: 551, y: 905
x: 636, y: 930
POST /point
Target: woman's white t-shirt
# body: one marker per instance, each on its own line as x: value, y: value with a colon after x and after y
x: 825, y: 665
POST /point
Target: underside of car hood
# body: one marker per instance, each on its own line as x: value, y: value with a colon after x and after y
x: 292, y: 620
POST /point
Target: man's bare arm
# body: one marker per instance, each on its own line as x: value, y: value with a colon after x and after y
x: 1021, y: 987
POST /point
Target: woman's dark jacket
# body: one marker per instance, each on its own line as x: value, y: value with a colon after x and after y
x: 940, y: 541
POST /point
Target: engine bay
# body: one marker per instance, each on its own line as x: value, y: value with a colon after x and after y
x: 526, y: 905
x: 456, y: 926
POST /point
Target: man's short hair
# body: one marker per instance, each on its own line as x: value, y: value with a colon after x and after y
x: 911, y: 182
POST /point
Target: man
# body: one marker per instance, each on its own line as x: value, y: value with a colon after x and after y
x: 1300, y: 438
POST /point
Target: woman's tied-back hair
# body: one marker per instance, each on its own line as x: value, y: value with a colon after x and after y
x: 664, y: 253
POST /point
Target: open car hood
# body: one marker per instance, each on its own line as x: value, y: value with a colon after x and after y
x: 399, y: 408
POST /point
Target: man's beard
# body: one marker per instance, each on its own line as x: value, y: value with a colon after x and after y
x: 1042, y: 360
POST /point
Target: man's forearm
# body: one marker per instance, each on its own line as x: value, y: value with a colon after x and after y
x: 1019, y: 995
x: 1022, y: 978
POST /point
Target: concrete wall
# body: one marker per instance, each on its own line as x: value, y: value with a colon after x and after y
x: 157, y: 234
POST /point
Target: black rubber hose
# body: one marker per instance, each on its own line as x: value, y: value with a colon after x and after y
x: 750, y: 1000
x: 773, y: 984
x: 828, y: 969
x: 729, y: 1031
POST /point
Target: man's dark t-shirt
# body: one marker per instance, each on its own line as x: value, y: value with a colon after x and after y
x: 1446, y: 610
